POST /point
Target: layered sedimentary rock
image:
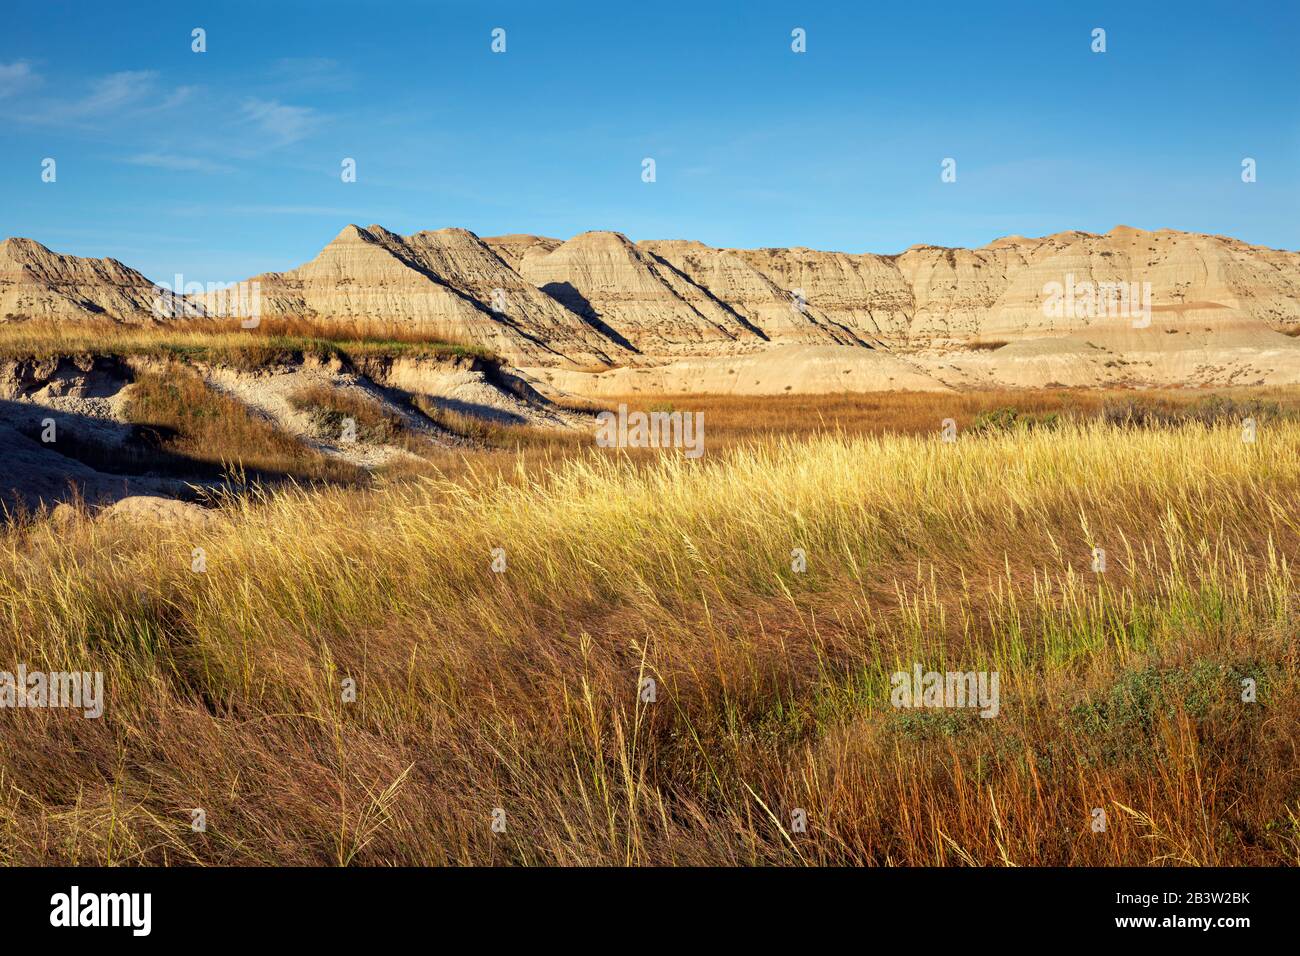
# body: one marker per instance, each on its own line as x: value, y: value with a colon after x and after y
x: 36, y: 283
x: 639, y: 300
x: 779, y: 311
x: 598, y: 299
x: 448, y: 283
x: 472, y: 267
x: 936, y: 296
x: 999, y: 292
x: 862, y: 295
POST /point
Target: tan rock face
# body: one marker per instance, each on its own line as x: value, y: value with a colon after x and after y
x: 863, y: 297
x: 445, y: 282
x: 780, y: 313
x: 930, y: 295
x: 39, y: 284
x: 997, y: 293
x: 638, y: 299
x: 473, y: 268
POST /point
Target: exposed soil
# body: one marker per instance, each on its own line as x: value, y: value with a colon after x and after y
x: 66, y: 426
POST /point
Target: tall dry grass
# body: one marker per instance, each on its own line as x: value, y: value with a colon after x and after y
x: 225, y: 341
x: 520, y: 690
x: 732, y: 419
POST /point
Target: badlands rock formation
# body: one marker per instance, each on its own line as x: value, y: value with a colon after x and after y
x: 997, y: 293
x: 40, y: 284
x: 637, y: 298
x: 448, y: 282
x: 932, y: 296
x: 598, y: 302
x: 779, y: 311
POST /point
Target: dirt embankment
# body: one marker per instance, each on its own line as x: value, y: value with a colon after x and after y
x: 105, y: 427
x: 1159, y: 356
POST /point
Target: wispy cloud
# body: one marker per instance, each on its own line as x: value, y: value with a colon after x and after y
x: 115, y: 96
x: 177, y: 162
x: 280, y: 123
x: 17, y: 77
x: 114, y: 92
x: 176, y: 97
x: 309, y: 73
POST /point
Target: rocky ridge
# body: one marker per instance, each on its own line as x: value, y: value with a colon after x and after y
x: 600, y: 301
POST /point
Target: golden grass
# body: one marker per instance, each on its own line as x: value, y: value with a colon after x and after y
x: 519, y: 690
x: 225, y: 342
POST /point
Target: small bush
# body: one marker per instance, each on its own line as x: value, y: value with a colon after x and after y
x: 1011, y: 419
x: 1212, y: 411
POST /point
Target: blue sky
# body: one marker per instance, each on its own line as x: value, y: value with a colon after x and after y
x: 227, y: 163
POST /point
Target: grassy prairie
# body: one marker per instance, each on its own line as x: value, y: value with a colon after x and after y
x: 522, y: 690
x: 733, y: 419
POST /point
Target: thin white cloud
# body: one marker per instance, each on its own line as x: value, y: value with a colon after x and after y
x: 114, y: 92
x: 16, y: 77
x: 116, y: 96
x: 177, y: 97
x: 309, y: 73
x: 280, y: 123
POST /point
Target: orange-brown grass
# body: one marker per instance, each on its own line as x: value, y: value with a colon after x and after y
x: 731, y: 419
x: 524, y: 689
